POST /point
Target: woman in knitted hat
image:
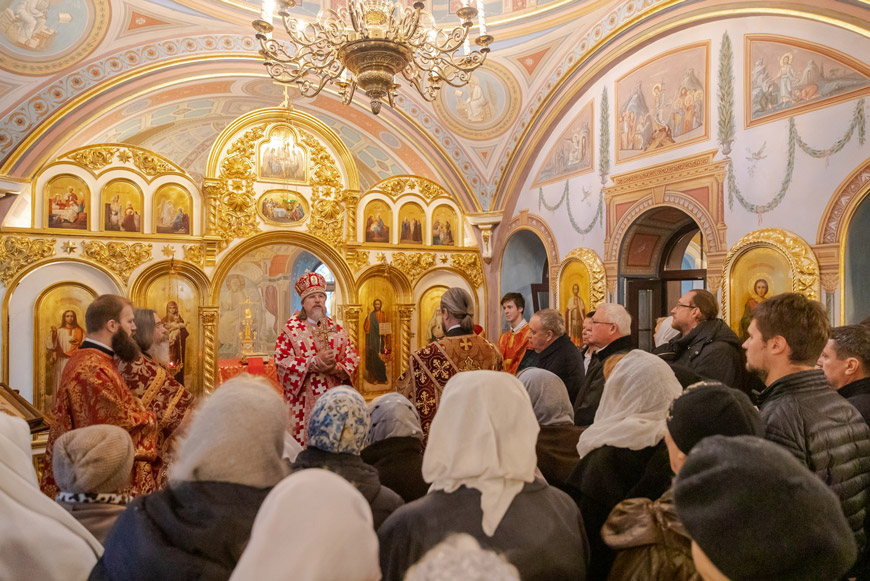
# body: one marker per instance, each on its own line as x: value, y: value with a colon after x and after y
x: 557, y: 440
x: 623, y: 454
x: 755, y: 512
x: 93, y: 468
x: 38, y: 539
x: 337, y: 540
x: 650, y: 540
x: 337, y: 431
x: 395, y: 445
x: 198, y: 526
x: 481, y: 461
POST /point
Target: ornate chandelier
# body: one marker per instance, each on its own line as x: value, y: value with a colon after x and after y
x: 366, y: 44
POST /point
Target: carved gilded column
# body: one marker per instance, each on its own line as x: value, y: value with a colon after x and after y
x: 351, y: 198
x: 211, y: 190
x: 209, y: 317
x: 406, y: 311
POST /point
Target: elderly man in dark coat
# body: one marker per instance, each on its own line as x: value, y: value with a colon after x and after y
x: 556, y: 352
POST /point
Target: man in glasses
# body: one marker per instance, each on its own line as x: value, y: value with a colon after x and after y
x: 706, y: 345
x: 610, y: 334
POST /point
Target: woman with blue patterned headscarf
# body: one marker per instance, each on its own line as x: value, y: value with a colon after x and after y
x: 395, y: 445
x: 337, y: 431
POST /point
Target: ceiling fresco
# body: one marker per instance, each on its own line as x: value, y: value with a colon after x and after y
x: 169, y: 75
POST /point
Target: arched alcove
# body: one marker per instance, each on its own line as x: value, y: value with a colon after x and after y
x: 525, y: 269
x: 856, y: 264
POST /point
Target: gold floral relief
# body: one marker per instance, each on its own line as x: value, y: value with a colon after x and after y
x: 119, y: 257
x: 236, y: 214
x: 357, y: 259
x: 470, y: 265
x: 413, y: 264
x: 194, y: 253
x: 94, y: 159
x: 149, y: 164
x: 16, y: 252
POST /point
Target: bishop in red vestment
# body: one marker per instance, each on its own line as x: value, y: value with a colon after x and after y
x: 312, y: 354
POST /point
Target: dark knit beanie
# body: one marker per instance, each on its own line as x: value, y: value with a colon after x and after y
x: 711, y: 408
x: 758, y: 513
x: 93, y: 459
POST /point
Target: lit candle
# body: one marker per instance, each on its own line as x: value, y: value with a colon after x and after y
x: 266, y: 10
x: 482, y: 17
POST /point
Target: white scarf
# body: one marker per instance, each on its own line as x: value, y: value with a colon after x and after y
x: 38, y: 538
x: 313, y: 525
x: 483, y: 437
x: 634, y: 405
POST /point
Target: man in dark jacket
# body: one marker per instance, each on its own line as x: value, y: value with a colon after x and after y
x: 611, y: 334
x: 705, y: 344
x: 556, y: 353
x: 823, y: 431
x: 846, y: 363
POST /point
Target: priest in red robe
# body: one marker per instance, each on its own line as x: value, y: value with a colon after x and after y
x: 93, y: 392
x: 514, y: 343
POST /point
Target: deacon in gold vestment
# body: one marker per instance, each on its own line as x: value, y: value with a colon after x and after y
x: 156, y: 388
x: 93, y: 392
x: 429, y: 368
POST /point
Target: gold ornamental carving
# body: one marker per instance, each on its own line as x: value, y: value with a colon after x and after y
x: 470, y: 265
x: 357, y: 259
x: 329, y: 201
x: 405, y: 313
x: 17, y: 252
x: 413, y: 264
x: 194, y: 253
x: 149, y: 164
x: 94, y: 158
x: 236, y: 217
x: 396, y: 186
x: 801, y: 259
x: 693, y: 166
x: 597, y: 275
x: 209, y: 317
x: 351, y: 315
x: 119, y: 257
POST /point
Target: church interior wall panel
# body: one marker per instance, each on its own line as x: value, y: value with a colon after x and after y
x: 19, y: 304
x: 521, y: 265
x: 759, y: 154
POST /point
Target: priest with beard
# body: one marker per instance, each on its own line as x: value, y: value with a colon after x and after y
x: 150, y: 381
x: 312, y: 354
x: 93, y: 392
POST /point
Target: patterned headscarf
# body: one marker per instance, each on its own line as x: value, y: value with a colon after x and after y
x: 339, y: 421
x: 394, y: 416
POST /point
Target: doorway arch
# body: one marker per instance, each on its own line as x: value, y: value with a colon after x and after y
x: 662, y: 256
x: 525, y: 269
x: 856, y: 264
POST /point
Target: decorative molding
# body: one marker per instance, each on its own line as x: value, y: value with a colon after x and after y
x: 830, y: 282
x: 399, y: 185
x: 406, y: 311
x: 350, y: 318
x: 233, y: 195
x: 194, y: 253
x: 413, y: 264
x: 119, y: 257
x: 357, y: 259
x: 94, y: 158
x: 832, y: 226
x: 16, y: 252
x: 99, y: 156
x: 470, y: 265
x: 149, y: 164
x: 597, y: 277
x: 801, y: 259
x: 686, y: 168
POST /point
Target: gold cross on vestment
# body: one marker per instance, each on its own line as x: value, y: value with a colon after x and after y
x: 465, y: 344
x: 425, y: 403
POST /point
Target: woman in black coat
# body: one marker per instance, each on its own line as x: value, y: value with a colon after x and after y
x: 623, y: 454
x: 395, y: 445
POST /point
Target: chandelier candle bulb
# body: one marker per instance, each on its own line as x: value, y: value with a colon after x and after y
x: 266, y: 11
x: 481, y: 18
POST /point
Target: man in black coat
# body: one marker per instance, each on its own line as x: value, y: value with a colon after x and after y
x: 706, y: 345
x: 611, y: 334
x: 556, y: 353
x: 846, y: 363
x: 800, y: 412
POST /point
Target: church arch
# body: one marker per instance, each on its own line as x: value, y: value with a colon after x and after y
x: 855, y: 267
x: 529, y: 271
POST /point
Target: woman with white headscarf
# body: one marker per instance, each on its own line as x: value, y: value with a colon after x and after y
x: 557, y: 440
x: 38, y: 538
x: 623, y: 453
x: 395, y: 445
x: 337, y: 431
x: 313, y: 525
x: 480, y: 461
